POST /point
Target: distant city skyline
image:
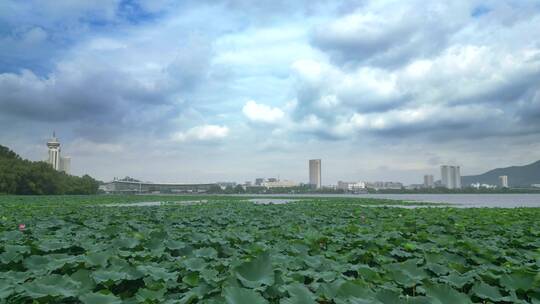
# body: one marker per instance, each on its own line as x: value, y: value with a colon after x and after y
x: 450, y: 176
x: 380, y: 90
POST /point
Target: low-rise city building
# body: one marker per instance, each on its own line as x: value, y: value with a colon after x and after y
x: 225, y: 185
x: 483, y: 186
x: 279, y: 184
x: 351, y: 186
x: 415, y: 186
x: 133, y: 186
x: 384, y: 185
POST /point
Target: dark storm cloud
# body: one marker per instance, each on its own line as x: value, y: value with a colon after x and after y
x: 98, y: 95
x: 98, y: 106
x: 104, y: 99
x: 106, y: 71
x: 430, y: 71
x: 385, y: 38
x: 442, y: 130
x: 191, y: 64
x: 529, y: 107
x: 33, y: 34
x: 436, y: 123
x: 507, y: 92
x: 483, y: 98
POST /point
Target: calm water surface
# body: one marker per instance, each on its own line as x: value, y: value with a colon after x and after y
x: 468, y: 200
x: 457, y: 200
x: 460, y: 200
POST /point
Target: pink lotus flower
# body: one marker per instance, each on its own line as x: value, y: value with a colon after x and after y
x: 22, y: 227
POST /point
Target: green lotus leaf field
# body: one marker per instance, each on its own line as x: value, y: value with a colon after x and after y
x: 82, y: 249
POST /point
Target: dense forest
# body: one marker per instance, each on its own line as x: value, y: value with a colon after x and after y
x: 20, y: 176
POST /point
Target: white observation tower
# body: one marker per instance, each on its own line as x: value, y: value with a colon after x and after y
x: 58, y: 162
x: 54, y: 152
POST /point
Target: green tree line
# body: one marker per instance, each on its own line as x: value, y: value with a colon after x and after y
x: 301, y: 189
x: 21, y: 176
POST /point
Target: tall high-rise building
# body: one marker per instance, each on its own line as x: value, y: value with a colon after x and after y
x: 428, y: 181
x: 445, y: 176
x: 58, y: 162
x: 451, y: 177
x: 315, y: 179
x: 456, y: 176
x: 503, y: 179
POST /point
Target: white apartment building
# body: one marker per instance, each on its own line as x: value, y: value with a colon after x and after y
x: 451, y: 177
x: 429, y: 181
x: 503, y: 179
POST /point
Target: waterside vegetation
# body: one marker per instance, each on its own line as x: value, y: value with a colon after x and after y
x: 20, y: 176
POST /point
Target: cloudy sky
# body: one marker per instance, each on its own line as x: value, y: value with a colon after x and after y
x: 199, y: 91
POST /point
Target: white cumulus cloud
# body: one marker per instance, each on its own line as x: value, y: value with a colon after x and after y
x: 202, y: 133
x: 262, y: 113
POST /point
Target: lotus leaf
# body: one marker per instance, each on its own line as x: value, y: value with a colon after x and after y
x: 256, y: 272
x: 236, y: 295
x: 98, y: 298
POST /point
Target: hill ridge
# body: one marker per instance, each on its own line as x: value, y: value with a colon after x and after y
x: 518, y: 176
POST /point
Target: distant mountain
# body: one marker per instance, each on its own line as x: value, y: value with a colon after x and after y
x: 517, y: 176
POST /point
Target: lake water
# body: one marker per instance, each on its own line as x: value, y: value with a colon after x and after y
x: 460, y: 200
x: 457, y: 200
x: 150, y: 204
